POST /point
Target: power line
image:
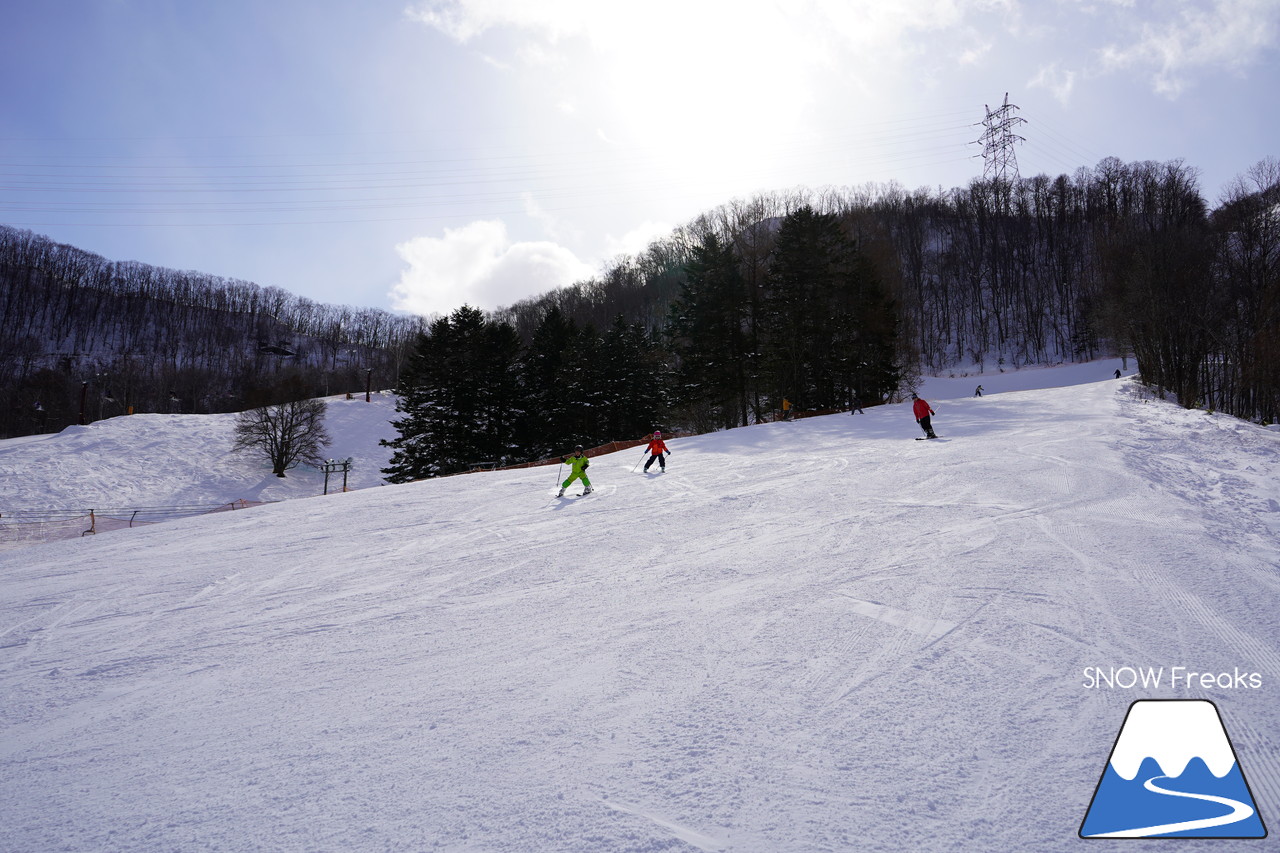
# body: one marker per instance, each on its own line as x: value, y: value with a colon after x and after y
x: 97, y: 189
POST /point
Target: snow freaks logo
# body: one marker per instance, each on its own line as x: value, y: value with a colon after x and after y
x: 1172, y: 774
x: 1150, y: 677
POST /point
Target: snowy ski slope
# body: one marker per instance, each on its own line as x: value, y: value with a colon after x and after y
x: 810, y: 636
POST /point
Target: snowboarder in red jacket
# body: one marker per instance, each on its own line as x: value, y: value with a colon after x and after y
x: 920, y: 408
x: 656, y: 450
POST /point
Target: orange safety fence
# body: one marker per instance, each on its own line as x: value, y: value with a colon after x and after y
x: 797, y: 414
x: 614, y: 446
x: 608, y: 447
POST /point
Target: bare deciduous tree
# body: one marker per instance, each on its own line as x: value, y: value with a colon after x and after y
x: 286, y: 434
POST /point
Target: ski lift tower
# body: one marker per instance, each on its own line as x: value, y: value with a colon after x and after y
x: 332, y: 466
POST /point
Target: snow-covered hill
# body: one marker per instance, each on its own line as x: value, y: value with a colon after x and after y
x: 816, y: 635
x: 169, y: 466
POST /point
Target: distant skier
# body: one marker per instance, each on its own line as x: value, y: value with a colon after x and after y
x: 656, y: 449
x: 855, y: 407
x: 577, y: 463
x: 1117, y: 373
x: 786, y: 409
x: 978, y: 391
x: 922, y: 411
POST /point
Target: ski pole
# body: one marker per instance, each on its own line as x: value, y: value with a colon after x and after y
x: 637, y: 465
x: 558, y: 470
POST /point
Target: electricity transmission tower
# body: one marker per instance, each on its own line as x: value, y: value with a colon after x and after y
x: 998, y: 158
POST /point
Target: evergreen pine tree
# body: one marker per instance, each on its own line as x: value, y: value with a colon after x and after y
x: 801, y: 314
x: 544, y: 429
x: 580, y: 385
x: 709, y: 333
x: 830, y: 327
x: 460, y: 398
x: 634, y: 380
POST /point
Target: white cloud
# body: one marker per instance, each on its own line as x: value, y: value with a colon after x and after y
x: 533, y: 53
x: 1194, y: 36
x: 720, y: 43
x: 479, y: 265
x: 743, y: 46
x: 691, y: 82
x: 608, y: 25
x: 463, y: 20
x: 1056, y: 80
x: 556, y: 228
x: 637, y: 239
x: 975, y: 54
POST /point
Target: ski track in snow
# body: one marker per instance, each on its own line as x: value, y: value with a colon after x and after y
x: 811, y: 636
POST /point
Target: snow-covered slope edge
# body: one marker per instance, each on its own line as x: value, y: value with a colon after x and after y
x: 153, y: 460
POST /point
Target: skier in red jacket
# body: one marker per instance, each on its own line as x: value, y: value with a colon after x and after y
x: 922, y: 411
x: 656, y: 450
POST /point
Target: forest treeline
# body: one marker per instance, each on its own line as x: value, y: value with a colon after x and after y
x: 821, y: 297
x: 812, y: 295
x: 818, y: 330
x: 82, y: 337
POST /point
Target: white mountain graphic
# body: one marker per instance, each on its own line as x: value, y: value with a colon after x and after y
x: 1173, y: 733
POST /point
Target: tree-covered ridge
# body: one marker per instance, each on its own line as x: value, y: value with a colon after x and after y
x: 1121, y: 258
x: 818, y: 329
x: 80, y: 332
x: 813, y: 296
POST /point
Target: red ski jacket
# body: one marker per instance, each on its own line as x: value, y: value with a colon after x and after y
x: 921, y: 408
x: 656, y: 446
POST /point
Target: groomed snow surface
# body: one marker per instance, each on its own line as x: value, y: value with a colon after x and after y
x: 820, y: 635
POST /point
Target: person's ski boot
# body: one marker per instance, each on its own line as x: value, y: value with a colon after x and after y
x: 588, y: 490
x: 560, y: 493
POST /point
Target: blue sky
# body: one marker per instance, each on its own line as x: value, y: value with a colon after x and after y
x: 418, y: 154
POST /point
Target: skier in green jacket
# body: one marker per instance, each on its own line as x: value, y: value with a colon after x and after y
x: 578, y: 463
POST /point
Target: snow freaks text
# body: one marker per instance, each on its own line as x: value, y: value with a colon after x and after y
x: 1150, y: 678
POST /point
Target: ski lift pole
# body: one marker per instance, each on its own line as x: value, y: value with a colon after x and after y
x: 332, y: 466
